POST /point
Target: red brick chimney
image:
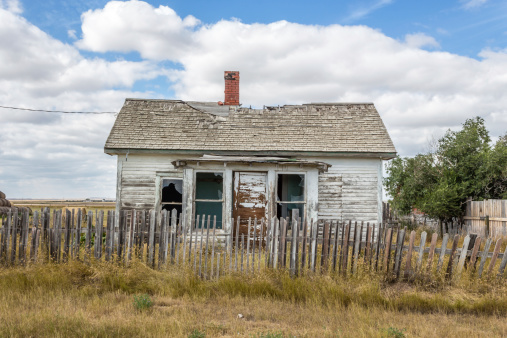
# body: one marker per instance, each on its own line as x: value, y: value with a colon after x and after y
x: 231, y: 88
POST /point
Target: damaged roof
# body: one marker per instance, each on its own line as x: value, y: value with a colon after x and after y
x: 188, y: 126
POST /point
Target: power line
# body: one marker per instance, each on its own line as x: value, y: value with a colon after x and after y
x: 59, y: 111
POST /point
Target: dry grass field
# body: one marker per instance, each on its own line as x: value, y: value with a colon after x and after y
x: 102, y: 299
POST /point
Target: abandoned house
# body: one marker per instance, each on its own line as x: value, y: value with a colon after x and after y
x: 225, y: 160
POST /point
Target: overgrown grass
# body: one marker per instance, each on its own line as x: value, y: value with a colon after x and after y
x: 80, y: 299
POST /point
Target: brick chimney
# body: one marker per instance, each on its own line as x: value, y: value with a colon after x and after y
x: 231, y: 88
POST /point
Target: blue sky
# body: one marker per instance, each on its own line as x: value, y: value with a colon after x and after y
x: 427, y: 66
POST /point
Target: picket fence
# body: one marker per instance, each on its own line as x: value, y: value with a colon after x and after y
x: 296, y: 245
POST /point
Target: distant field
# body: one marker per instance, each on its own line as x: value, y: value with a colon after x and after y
x: 54, y: 204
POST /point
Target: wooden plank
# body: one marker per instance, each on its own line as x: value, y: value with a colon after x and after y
x: 475, y: 251
x: 345, y: 247
x: 249, y: 225
x: 484, y: 256
x: 387, y: 251
x: 276, y: 244
x: 503, y: 263
x: 242, y: 250
x: 206, y: 247
x: 213, y: 245
x: 200, y: 243
x: 495, y: 255
x: 336, y: 244
x: 367, y: 253
x: 192, y: 226
x: 151, y: 239
x: 421, y: 251
x: 443, y: 248
x: 353, y: 245
x: 377, y: 249
x: 313, y: 254
x: 356, y: 246
x: 408, y: 262
x: 433, y: 244
x: 283, y: 228
x: 260, y: 242
x: 253, y: 242
x: 452, y: 256
x: 463, y: 255
x: 399, y: 250
x: 293, y: 245
x: 195, y: 241
x: 236, y: 251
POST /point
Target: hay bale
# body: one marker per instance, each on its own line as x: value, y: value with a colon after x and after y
x: 2, y: 195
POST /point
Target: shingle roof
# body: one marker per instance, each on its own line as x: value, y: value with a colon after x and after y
x: 206, y: 126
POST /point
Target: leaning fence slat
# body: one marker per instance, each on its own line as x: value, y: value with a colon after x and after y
x: 484, y: 256
x: 503, y: 263
x: 495, y: 255
x: 195, y: 241
x: 443, y: 249
x: 422, y: 245
x: 276, y: 236
x: 387, y: 251
x: 408, y: 262
x: 248, y: 245
x: 242, y: 250
x: 452, y: 256
x: 475, y: 252
x: 463, y: 255
x: 399, y: 251
x: 433, y: 244
x: 367, y: 252
x: 335, y: 248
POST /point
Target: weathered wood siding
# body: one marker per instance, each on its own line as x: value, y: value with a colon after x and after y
x: 139, y: 176
x: 351, y: 190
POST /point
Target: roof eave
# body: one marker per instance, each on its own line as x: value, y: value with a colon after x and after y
x: 381, y: 155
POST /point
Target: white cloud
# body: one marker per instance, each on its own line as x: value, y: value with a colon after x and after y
x: 419, y: 93
x: 53, y: 155
x: 284, y: 62
x: 469, y: 4
x: 72, y: 34
x: 13, y: 6
x: 420, y: 40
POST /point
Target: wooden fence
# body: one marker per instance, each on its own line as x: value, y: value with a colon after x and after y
x: 487, y: 218
x: 296, y: 245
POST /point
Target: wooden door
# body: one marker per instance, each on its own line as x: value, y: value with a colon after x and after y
x: 250, y: 198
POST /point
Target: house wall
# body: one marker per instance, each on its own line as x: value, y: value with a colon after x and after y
x: 350, y: 190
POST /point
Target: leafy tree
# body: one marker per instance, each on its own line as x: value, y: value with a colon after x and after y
x: 463, y: 165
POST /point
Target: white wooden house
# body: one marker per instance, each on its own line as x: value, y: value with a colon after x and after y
x: 224, y: 160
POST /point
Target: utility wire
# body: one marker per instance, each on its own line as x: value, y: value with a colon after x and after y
x: 59, y: 111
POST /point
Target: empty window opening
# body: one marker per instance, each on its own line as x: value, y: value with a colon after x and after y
x: 290, y: 195
x: 209, y: 197
x: 172, y: 194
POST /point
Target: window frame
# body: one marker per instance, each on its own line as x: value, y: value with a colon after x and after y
x: 162, y: 203
x: 277, y: 201
x: 195, y: 199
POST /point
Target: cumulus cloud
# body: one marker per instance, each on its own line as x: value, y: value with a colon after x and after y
x: 38, y: 150
x: 419, y: 91
x: 13, y: 6
x: 415, y: 90
x: 421, y: 40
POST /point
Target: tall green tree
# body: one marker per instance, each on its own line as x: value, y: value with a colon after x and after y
x: 463, y: 165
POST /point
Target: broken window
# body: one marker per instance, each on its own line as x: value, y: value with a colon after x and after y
x: 209, y: 196
x: 172, y: 194
x: 290, y: 194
